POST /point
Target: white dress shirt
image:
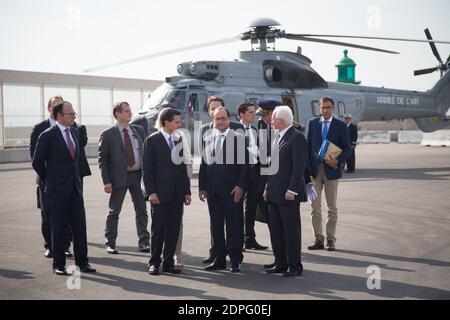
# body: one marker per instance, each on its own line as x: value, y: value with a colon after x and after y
x: 136, y: 149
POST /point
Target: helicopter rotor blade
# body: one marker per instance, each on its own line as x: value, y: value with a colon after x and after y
x: 164, y: 52
x: 373, y: 38
x: 425, y: 71
x: 433, y: 46
x: 292, y: 36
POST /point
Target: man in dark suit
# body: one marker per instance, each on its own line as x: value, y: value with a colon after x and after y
x: 205, y: 131
x: 353, y: 136
x: 285, y: 190
x: 56, y: 161
x: 41, y: 200
x: 247, y: 114
x: 167, y: 187
x: 326, y: 174
x: 120, y: 162
x: 222, y: 181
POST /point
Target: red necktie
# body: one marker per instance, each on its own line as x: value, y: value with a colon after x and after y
x: 70, y: 144
x: 128, y: 148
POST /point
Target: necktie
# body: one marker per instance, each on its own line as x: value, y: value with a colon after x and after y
x: 269, y: 139
x: 128, y: 148
x: 70, y: 144
x: 324, y: 130
x: 171, y: 145
x: 218, y: 145
x: 276, y: 140
x: 247, y: 131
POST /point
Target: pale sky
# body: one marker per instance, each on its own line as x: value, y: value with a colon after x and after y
x: 66, y: 36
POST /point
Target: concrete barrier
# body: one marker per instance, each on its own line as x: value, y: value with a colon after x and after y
x: 440, y: 138
x: 410, y: 136
x: 437, y: 138
x: 374, y: 137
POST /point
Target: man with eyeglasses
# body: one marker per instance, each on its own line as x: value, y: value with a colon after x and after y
x: 41, y: 199
x: 56, y: 161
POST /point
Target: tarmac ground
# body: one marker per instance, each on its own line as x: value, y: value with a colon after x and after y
x: 393, y: 241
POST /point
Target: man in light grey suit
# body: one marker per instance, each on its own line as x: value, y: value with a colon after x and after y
x: 120, y: 162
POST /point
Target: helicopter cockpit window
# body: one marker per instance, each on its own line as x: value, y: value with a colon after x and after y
x: 177, y: 98
x: 341, y: 109
x: 166, y: 94
x: 315, y: 108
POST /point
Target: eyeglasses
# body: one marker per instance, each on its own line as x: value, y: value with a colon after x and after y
x: 73, y: 114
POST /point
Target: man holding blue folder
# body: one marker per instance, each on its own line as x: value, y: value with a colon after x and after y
x: 326, y: 170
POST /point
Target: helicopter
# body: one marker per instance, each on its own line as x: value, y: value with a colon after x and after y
x: 265, y: 73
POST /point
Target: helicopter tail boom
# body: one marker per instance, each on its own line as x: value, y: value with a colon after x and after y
x: 441, y: 95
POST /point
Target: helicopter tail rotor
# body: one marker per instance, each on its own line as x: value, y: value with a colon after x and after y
x: 442, y: 67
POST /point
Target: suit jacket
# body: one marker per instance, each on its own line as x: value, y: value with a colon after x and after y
x: 53, y: 163
x: 291, y: 170
x: 162, y: 176
x: 337, y: 134
x: 353, y: 134
x: 83, y: 139
x: 112, y: 159
x: 221, y: 178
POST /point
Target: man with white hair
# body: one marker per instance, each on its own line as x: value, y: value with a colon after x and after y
x: 284, y: 191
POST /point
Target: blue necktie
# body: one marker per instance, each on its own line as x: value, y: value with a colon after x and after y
x: 324, y: 130
x: 171, y: 145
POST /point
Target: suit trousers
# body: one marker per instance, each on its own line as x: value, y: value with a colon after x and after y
x: 331, y: 186
x: 166, y: 220
x: 115, y: 206
x: 285, y: 234
x: 351, y: 161
x: 177, y: 255
x: 68, y: 209
x: 46, y: 225
x: 250, y: 204
x: 226, y: 210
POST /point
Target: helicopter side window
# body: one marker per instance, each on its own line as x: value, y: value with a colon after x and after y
x: 177, y: 98
x: 315, y: 108
x: 341, y: 109
x: 197, y: 101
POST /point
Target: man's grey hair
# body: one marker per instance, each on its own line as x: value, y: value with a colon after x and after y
x: 284, y: 113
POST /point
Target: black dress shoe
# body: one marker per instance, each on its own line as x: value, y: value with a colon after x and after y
x: 331, y: 246
x: 317, y: 245
x: 48, y: 254
x: 144, y: 248
x: 254, y: 245
x: 87, y: 269
x: 68, y: 253
x: 276, y: 269
x: 60, y: 271
x: 171, y: 269
x: 235, y: 268
x: 270, y: 265
x: 293, y: 273
x: 209, y: 260
x: 216, y: 266
x: 153, y: 270
x: 112, y: 250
